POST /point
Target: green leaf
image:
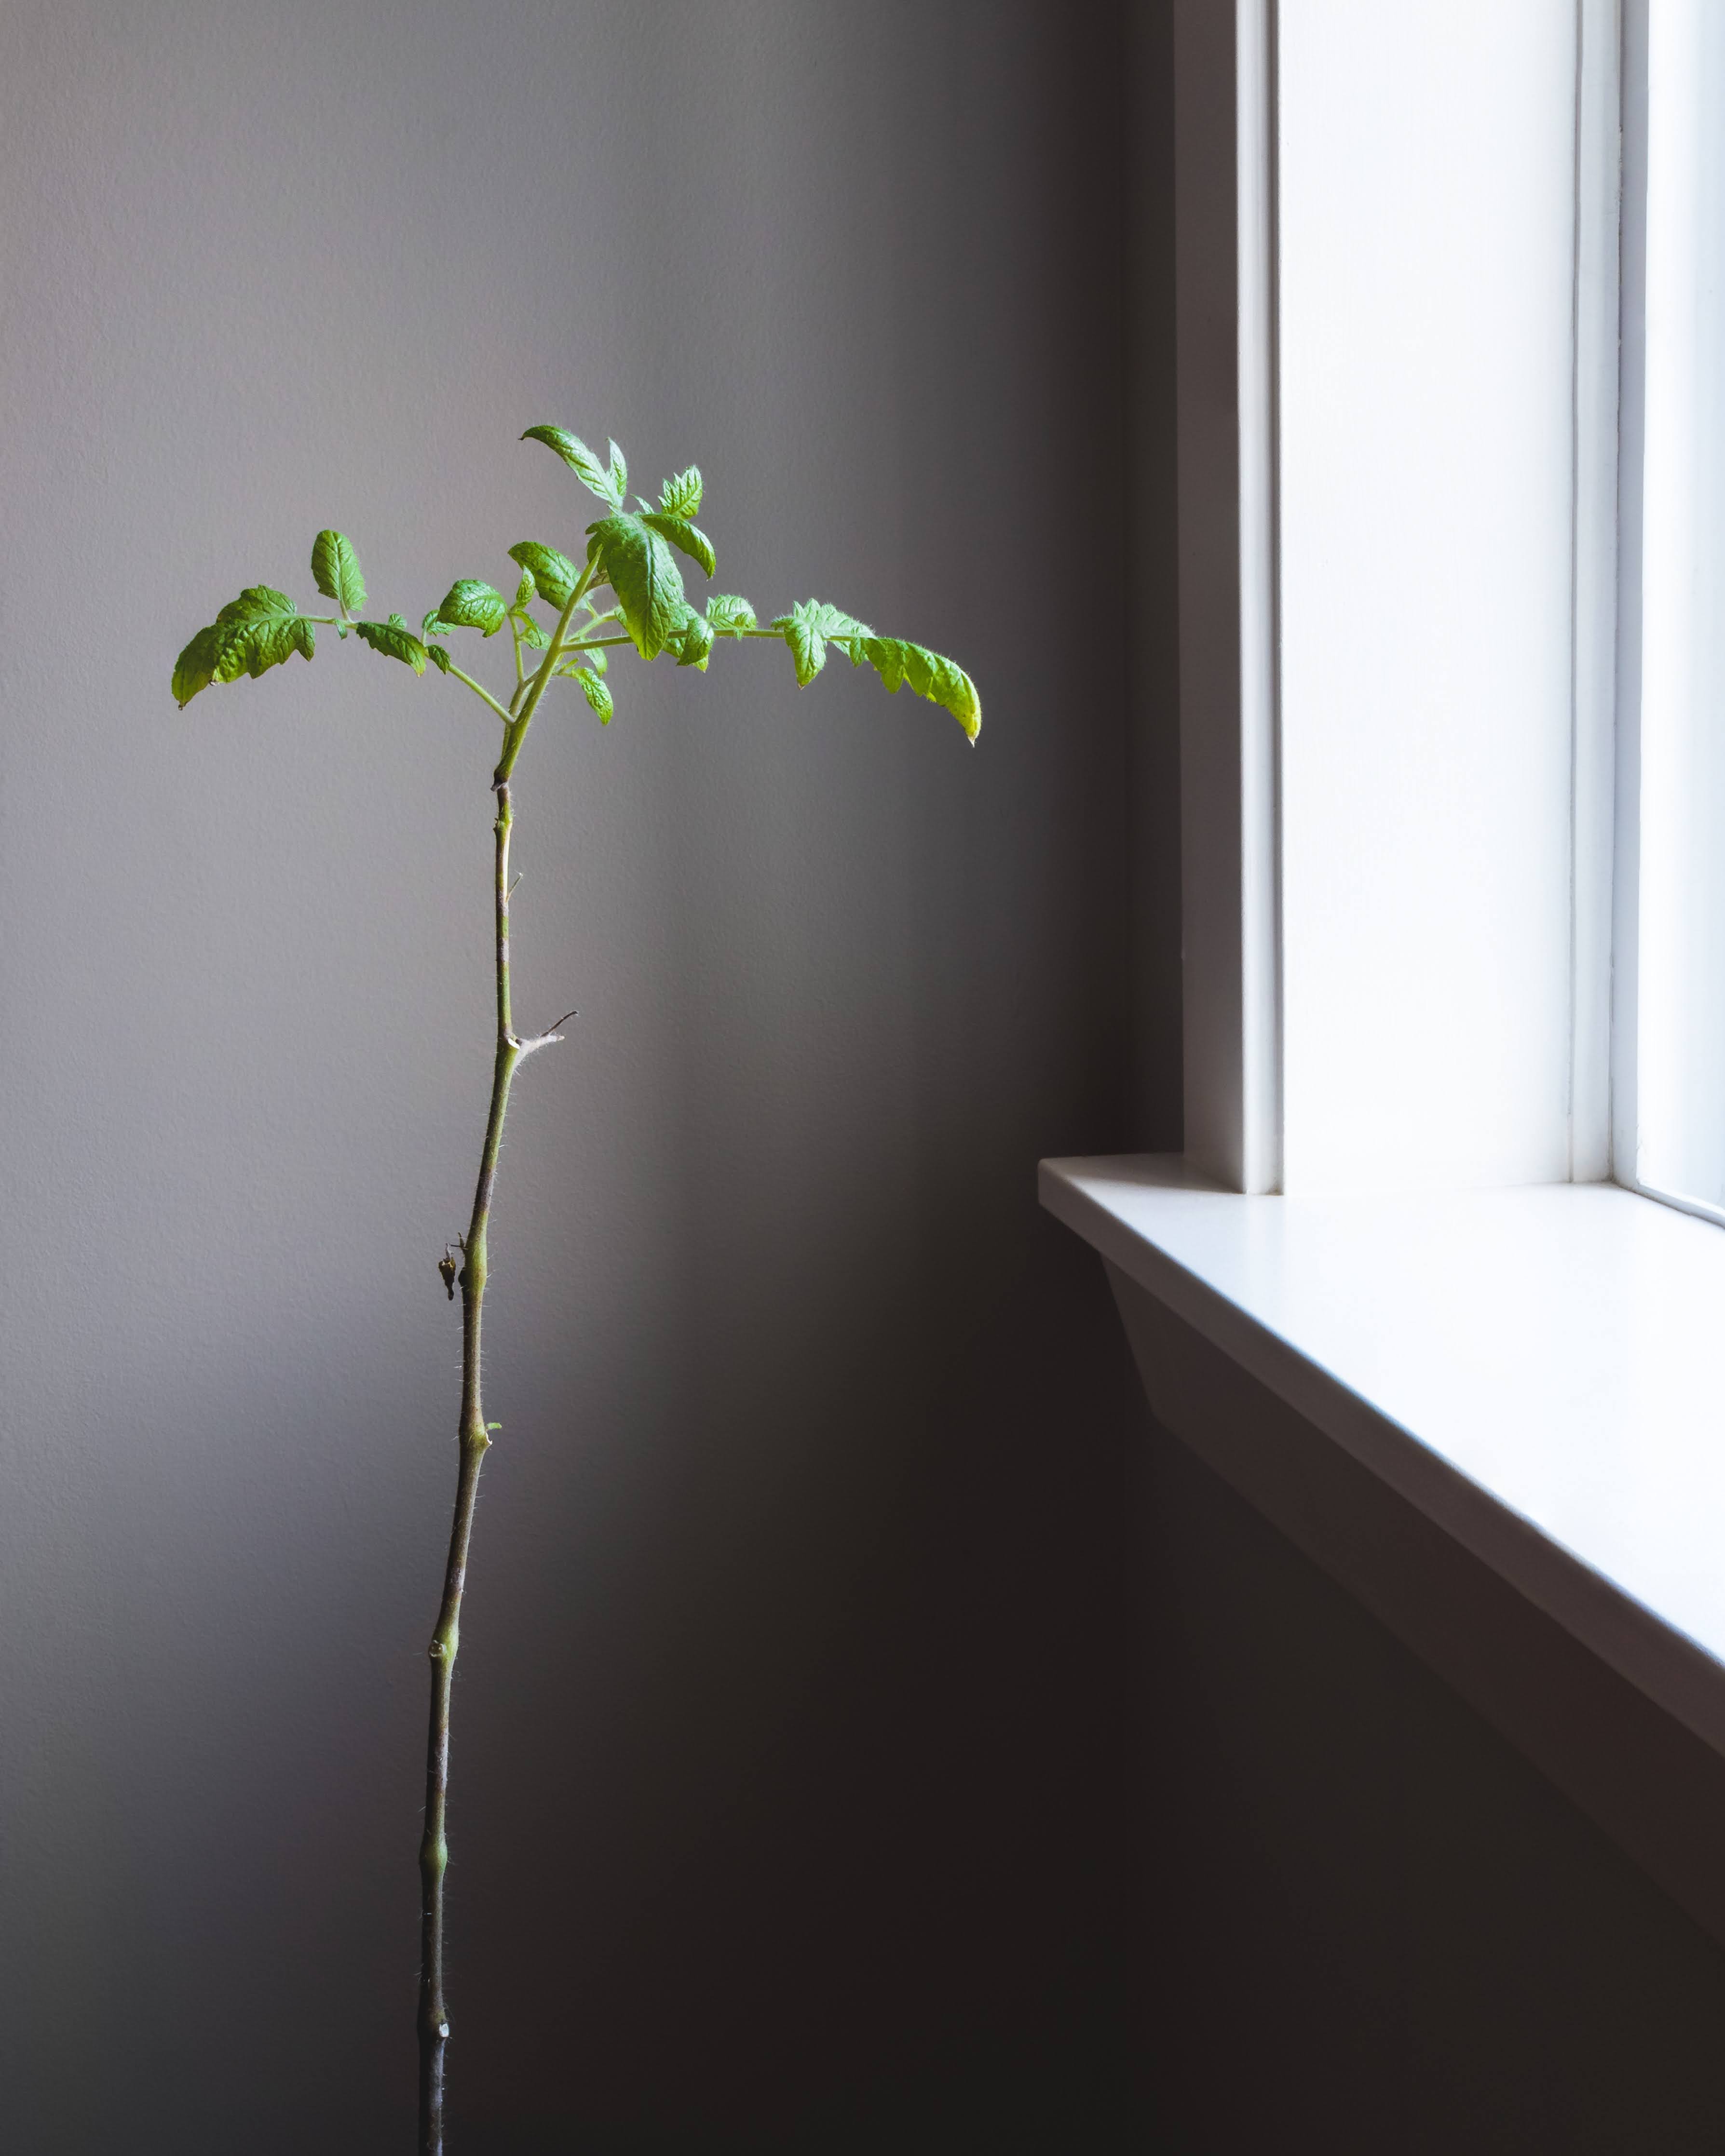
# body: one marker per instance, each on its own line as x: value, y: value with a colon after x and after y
x: 596, y: 693
x: 254, y: 648
x: 830, y: 620
x: 395, y: 640
x: 808, y: 648
x: 637, y: 565
x: 530, y: 632
x: 806, y: 628
x: 695, y: 645
x: 618, y: 475
x: 335, y: 570
x: 256, y: 603
x: 727, y: 615
x: 581, y: 461
x: 941, y: 681
x: 259, y: 629
x: 439, y: 657
x: 470, y: 604
x: 555, y: 575
x: 681, y: 496
x: 429, y: 627
x: 195, y: 667
x: 526, y: 591
x: 683, y: 535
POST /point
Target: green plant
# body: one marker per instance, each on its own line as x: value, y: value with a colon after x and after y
x: 629, y: 553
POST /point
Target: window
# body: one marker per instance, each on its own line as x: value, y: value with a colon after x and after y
x: 1453, y: 679
x: 1404, y: 643
x: 1671, y: 1004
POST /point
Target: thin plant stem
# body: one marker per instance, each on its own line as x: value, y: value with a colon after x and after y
x: 472, y: 1438
x: 474, y: 1443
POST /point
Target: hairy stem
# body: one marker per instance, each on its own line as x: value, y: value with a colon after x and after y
x: 519, y: 721
x: 474, y: 1444
x: 483, y: 694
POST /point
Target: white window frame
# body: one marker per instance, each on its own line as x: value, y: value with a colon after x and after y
x: 1229, y: 751
x: 1227, y: 275
x: 1629, y: 1033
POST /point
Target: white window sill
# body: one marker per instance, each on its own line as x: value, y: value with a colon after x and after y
x: 1532, y: 1381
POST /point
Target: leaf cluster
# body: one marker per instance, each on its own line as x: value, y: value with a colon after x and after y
x: 631, y: 552
x: 263, y: 627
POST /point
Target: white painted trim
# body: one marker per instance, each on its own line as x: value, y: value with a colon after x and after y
x: 1632, y: 343
x: 1593, y: 798
x: 1224, y: 280
x: 1628, y: 1027
x: 1207, y: 443
x: 1261, y: 731
x: 1535, y: 1369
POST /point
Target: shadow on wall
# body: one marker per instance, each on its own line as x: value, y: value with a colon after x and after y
x: 851, y: 1820
x: 790, y: 1806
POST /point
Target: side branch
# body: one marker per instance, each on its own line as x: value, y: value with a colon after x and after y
x: 483, y: 694
x: 524, y: 1047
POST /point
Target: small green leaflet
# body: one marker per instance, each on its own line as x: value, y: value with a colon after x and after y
x: 806, y: 628
x: 439, y: 657
x: 683, y: 535
x: 940, y: 680
x: 596, y: 693
x: 618, y: 475
x: 727, y: 615
x: 261, y: 645
x: 681, y: 496
x: 259, y: 629
x: 195, y: 667
x: 581, y: 461
x: 530, y: 632
x: 553, y: 574
x: 636, y: 563
x: 335, y: 570
x: 695, y: 645
x: 395, y: 640
x: 525, y: 592
x: 256, y: 603
x: 470, y: 604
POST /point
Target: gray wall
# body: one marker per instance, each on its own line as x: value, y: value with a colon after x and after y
x: 791, y: 1786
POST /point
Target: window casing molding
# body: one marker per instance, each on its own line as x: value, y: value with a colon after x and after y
x: 1397, y: 272
x: 1225, y: 317
x: 1669, y: 1071
x: 1597, y: 591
